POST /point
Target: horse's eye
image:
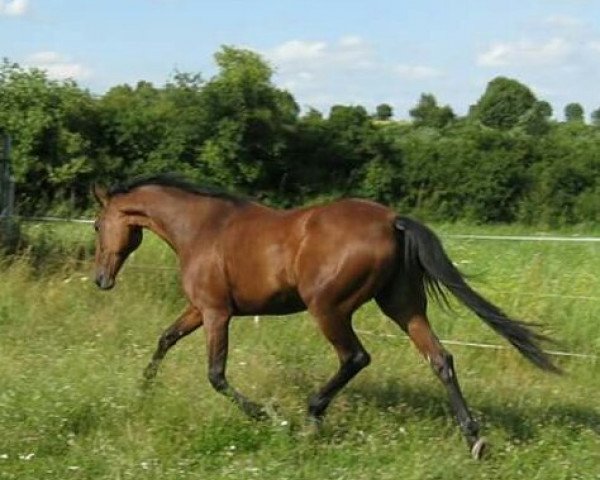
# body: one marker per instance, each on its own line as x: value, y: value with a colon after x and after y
x: 96, y: 226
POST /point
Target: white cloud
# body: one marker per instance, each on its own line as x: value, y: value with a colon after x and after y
x: 563, y: 21
x: 58, y: 66
x: 350, y: 52
x: 351, y: 41
x: 44, y: 58
x: 594, y: 46
x: 14, y: 8
x: 526, y: 53
x: 416, y: 72
x: 298, y: 80
x: 346, y: 70
x: 297, y: 51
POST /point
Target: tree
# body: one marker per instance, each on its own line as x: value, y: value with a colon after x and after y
x: 596, y: 117
x: 312, y: 114
x: 347, y: 116
x: 544, y: 108
x: 135, y: 122
x: 151, y: 129
x: 382, y: 176
x: 574, y: 112
x: 427, y: 113
x: 503, y: 103
x: 54, y: 126
x: 384, y: 112
x: 249, y: 123
x: 348, y: 129
x: 536, y: 121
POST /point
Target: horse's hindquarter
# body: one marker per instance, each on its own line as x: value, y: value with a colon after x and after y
x: 349, y: 252
x: 279, y: 262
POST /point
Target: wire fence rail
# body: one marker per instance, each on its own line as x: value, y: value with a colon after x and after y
x: 463, y: 236
x: 54, y: 219
x: 490, y: 346
x: 525, y: 238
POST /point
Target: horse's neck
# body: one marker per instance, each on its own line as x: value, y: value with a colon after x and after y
x: 165, y: 215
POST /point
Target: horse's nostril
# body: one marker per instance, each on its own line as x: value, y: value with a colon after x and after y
x: 104, y: 281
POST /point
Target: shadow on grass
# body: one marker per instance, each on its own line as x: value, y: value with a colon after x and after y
x: 522, y: 423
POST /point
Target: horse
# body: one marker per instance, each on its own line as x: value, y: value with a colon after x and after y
x: 239, y: 257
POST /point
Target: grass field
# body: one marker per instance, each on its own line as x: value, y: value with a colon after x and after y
x: 73, y: 406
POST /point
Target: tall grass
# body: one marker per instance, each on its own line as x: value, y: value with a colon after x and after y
x: 73, y: 405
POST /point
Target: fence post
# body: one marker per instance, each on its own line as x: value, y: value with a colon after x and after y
x: 3, y: 183
x: 7, y: 185
x: 10, y: 231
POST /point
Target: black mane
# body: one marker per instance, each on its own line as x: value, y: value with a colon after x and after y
x: 174, y: 181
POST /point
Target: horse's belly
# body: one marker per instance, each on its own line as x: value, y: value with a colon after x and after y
x: 281, y: 302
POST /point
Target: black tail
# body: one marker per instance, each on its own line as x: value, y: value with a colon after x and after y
x: 424, y: 251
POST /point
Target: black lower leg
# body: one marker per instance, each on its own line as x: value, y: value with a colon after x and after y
x: 166, y: 341
x: 217, y: 337
x: 189, y: 321
x: 444, y: 369
x: 219, y: 382
x: 319, y: 402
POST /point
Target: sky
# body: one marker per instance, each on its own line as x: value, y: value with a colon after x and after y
x: 327, y: 52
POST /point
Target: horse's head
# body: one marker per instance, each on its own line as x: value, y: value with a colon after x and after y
x: 116, y: 238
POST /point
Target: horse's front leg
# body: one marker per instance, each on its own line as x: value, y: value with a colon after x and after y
x: 216, y: 324
x: 188, y: 321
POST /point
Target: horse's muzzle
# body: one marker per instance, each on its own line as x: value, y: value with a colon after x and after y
x: 105, y: 282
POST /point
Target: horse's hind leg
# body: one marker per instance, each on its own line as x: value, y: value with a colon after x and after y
x: 441, y: 361
x: 352, y: 356
x: 187, y: 322
x: 410, y: 315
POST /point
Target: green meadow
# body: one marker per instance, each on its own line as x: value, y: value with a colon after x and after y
x: 73, y: 404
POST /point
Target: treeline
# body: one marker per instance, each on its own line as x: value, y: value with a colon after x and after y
x: 506, y: 161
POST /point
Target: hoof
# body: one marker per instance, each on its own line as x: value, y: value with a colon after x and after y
x: 479, y: 448
x: 313, y: 427
x: 150, y: 372
x: 272, y: 412
x: 255, y: 411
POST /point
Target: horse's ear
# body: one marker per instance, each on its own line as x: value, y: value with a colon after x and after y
x: 100, y: 194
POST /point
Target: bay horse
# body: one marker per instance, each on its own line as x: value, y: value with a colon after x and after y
x: 239, y: 257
